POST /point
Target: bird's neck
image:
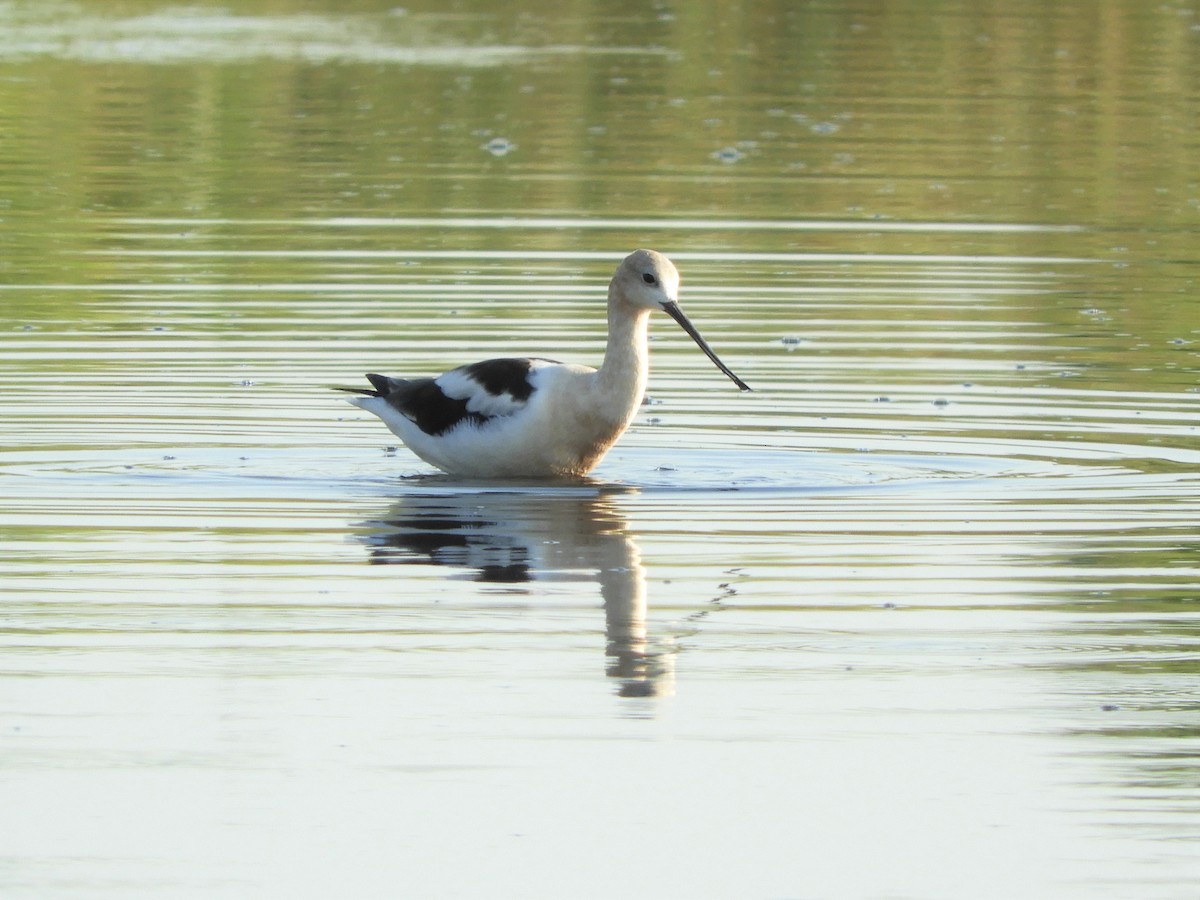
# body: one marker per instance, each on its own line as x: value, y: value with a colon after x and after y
x: 626, y: 358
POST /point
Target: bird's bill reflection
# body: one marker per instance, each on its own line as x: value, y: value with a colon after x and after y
x: 521, y: 538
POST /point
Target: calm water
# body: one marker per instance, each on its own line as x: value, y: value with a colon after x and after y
x: 918, y: 618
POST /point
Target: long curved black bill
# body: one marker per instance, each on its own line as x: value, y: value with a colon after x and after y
x: 673, y: 310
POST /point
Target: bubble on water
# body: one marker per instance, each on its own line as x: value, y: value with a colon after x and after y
x: 499, y: 146
x: 825, y: 127
x: 728, y: 155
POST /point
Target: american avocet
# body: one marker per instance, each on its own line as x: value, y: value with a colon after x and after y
x: 537, y: 417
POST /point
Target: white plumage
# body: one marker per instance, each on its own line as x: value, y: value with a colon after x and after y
x: 517, y: 417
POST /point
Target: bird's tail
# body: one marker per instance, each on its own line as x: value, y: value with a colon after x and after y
x: 382, y: 385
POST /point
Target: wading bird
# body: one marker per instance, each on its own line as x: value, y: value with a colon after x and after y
x: 531, y: 417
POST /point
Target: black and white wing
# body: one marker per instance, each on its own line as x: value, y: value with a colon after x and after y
x: 474, y: 393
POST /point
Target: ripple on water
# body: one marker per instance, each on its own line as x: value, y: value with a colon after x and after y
x: 642, y: 469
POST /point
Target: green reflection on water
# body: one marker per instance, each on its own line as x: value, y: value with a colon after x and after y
x: 932, y: 111
x: 920, y: 113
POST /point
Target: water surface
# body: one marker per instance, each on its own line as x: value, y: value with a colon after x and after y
x: 915, y: 618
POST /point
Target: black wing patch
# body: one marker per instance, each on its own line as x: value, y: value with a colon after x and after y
x: 502, y: 376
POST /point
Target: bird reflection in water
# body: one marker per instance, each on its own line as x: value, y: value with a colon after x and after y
x: 523, y: 537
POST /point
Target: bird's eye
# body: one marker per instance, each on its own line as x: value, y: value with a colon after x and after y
x: 649, y: 279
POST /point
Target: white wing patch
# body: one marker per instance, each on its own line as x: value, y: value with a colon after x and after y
x: 459, y: 384
x: 493, y: 404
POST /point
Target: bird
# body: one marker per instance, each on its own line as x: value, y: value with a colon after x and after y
x: 535, y: 417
